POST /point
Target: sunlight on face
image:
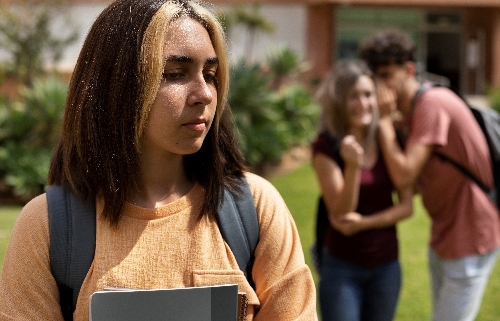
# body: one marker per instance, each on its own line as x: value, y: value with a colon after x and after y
x: 361, y: 102
x: 185, y: 105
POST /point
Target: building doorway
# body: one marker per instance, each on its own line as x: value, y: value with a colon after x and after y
x: 443, y: 39
x: 443, y: 58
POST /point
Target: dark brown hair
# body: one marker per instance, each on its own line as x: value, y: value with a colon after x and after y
x: 110, y: 95
x: 387, y: 47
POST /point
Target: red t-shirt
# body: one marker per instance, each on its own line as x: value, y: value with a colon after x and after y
x: 464, y: 220
x: 372, y: 247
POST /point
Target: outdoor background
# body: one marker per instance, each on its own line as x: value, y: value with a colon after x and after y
x: 275, y: 126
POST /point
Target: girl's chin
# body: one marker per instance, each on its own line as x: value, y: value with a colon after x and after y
x: 363, y: 122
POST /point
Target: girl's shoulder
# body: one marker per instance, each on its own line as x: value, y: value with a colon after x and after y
x: 328, y: 145
x: 34, y: 216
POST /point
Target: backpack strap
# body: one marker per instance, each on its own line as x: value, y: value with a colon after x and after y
x: 72, y: 243
x: 72, y: 249
x: 445, y: 158
x: 239, y: 226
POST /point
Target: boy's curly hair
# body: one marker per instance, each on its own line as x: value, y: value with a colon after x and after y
x: 387, y: 47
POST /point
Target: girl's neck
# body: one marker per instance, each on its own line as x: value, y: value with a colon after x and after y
x: 163, y: 180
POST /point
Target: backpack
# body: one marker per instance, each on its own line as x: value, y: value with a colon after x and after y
x: 489, y: 122
x: 72, y: 226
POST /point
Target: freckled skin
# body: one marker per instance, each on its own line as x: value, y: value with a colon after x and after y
x: 185, y: 104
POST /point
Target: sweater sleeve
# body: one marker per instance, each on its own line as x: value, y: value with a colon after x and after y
x: 284, y: 284
x: 27, y: 289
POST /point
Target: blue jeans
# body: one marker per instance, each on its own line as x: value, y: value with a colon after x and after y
x: 350, y: 292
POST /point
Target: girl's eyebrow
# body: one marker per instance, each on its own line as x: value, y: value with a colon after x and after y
x: 187, y: 59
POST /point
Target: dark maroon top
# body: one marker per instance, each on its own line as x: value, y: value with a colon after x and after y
x: 372, y: 247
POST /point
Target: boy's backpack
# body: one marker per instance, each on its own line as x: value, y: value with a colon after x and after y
x: 72, y: 225
x: 489, y: 121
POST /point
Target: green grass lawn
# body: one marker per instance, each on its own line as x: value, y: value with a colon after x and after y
x: 7, y: 218
x: 300, y: 191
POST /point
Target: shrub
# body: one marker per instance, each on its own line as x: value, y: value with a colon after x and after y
x: 269, y: 121
x: 28, y: 35
x: 29, y: 130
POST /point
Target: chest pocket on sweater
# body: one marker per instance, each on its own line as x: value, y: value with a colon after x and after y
x: 219, y: 277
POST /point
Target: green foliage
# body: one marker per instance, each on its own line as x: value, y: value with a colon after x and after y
x: 269, y: 121
x: 299, y: 112
x: 253, y: 19
x: 251, y: 100
x: 29, y: 128
x: 494, y: 98
x: 283, y: 62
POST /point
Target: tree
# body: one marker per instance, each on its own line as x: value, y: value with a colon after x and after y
x: 27, y: 36
x: 254, y: 22
x: 284, y: 65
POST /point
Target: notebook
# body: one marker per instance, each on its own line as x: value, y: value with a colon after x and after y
x: 208, y: 303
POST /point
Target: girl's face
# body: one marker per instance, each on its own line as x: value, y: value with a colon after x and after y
x: 361, y: 102
x: 185, y: 104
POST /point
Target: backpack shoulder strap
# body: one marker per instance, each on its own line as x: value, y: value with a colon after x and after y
x: 239, y: 226
x: 72, y: 243
x: 479, y: 116
x: 72, y: 249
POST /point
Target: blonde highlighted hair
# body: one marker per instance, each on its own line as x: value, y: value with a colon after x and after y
x: 113, y: 86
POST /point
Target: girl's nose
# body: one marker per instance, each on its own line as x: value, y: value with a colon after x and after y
x: 201, y: 92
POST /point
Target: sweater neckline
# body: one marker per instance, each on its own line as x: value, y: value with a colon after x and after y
x: 191, y: 199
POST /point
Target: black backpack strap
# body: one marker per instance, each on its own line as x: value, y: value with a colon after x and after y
x: 445, y: 158
x: 71, y: 249
x: 464, y: 171
x: 239, y: 226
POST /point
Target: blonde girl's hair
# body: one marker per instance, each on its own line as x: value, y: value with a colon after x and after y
x: 333, y: 95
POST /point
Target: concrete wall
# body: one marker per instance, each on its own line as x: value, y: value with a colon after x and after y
x: 289, y: 21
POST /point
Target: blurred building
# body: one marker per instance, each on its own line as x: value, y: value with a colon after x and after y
x: 458, y: 40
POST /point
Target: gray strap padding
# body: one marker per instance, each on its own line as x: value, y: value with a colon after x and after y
x: 239, y: 226
x: 72, y: 226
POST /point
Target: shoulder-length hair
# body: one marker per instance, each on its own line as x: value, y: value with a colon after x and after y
x: 333, y: 95
x: 113, y: 86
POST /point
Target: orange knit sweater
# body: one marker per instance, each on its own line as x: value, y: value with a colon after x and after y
x: 164, y: 247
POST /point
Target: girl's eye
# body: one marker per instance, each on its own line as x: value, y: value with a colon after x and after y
x: 352, y: 96
x: 172, y: 75
x: 210, y: 77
